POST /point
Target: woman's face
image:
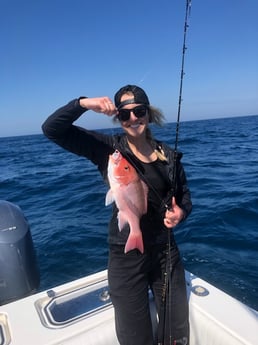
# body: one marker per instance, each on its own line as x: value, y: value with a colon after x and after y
x: 134, y: 126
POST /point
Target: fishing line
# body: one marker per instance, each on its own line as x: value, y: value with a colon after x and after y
x: 144, y: 77
x: 168, y: 273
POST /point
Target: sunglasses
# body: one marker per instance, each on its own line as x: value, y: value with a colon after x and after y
x: 139, y: 111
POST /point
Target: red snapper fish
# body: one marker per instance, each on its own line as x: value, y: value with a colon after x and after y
x: 129, y: 193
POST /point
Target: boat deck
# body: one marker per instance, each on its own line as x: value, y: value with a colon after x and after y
x: 80, y: 312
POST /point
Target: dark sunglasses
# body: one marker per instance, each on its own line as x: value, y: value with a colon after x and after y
x: 139, y: 111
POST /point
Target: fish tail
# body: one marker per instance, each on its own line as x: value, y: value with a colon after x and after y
x: 134, y: 241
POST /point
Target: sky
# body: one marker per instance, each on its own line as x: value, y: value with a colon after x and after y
x: 53, y: 51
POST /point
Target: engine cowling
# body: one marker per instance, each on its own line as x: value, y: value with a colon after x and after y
x: 19, y: 273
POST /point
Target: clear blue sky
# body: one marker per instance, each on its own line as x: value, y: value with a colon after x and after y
x: 55, y: 50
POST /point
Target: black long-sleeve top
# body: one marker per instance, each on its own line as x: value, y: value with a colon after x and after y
x: 97, y: 147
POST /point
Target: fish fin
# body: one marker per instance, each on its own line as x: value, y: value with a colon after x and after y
x: 134, y: 241
x: 122, y: 221
x: 109, y: 198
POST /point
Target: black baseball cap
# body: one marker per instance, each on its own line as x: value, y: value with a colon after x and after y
x: 139, y: 94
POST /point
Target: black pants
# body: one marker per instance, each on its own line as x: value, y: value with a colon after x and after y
x: 130, y: 277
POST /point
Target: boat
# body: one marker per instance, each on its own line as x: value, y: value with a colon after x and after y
x: 81, y: 312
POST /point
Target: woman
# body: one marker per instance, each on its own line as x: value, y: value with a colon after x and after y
x: 131, y: 274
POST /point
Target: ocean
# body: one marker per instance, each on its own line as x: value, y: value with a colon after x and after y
x: 62, y: 196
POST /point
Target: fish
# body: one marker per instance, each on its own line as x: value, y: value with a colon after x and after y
x: 129, y: 193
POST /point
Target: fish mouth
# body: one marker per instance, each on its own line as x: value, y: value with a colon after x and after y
x: 116, y: 157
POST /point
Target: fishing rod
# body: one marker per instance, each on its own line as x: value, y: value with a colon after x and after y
x: 166, y: 293
x: 186, y: 25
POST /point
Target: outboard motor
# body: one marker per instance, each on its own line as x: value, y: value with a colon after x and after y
x: 19, y: 274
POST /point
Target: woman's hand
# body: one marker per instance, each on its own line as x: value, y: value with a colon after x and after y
x: 99, y: 105
x: 174, y: 215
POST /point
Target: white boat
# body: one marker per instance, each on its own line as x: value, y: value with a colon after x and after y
x: 81, y: 313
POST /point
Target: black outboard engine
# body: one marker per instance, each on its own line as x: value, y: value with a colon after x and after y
x: 19, y: 274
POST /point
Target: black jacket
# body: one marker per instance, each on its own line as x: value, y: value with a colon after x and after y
x: 97, y: 147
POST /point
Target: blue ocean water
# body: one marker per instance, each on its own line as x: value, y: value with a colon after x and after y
x: 62, y: 197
